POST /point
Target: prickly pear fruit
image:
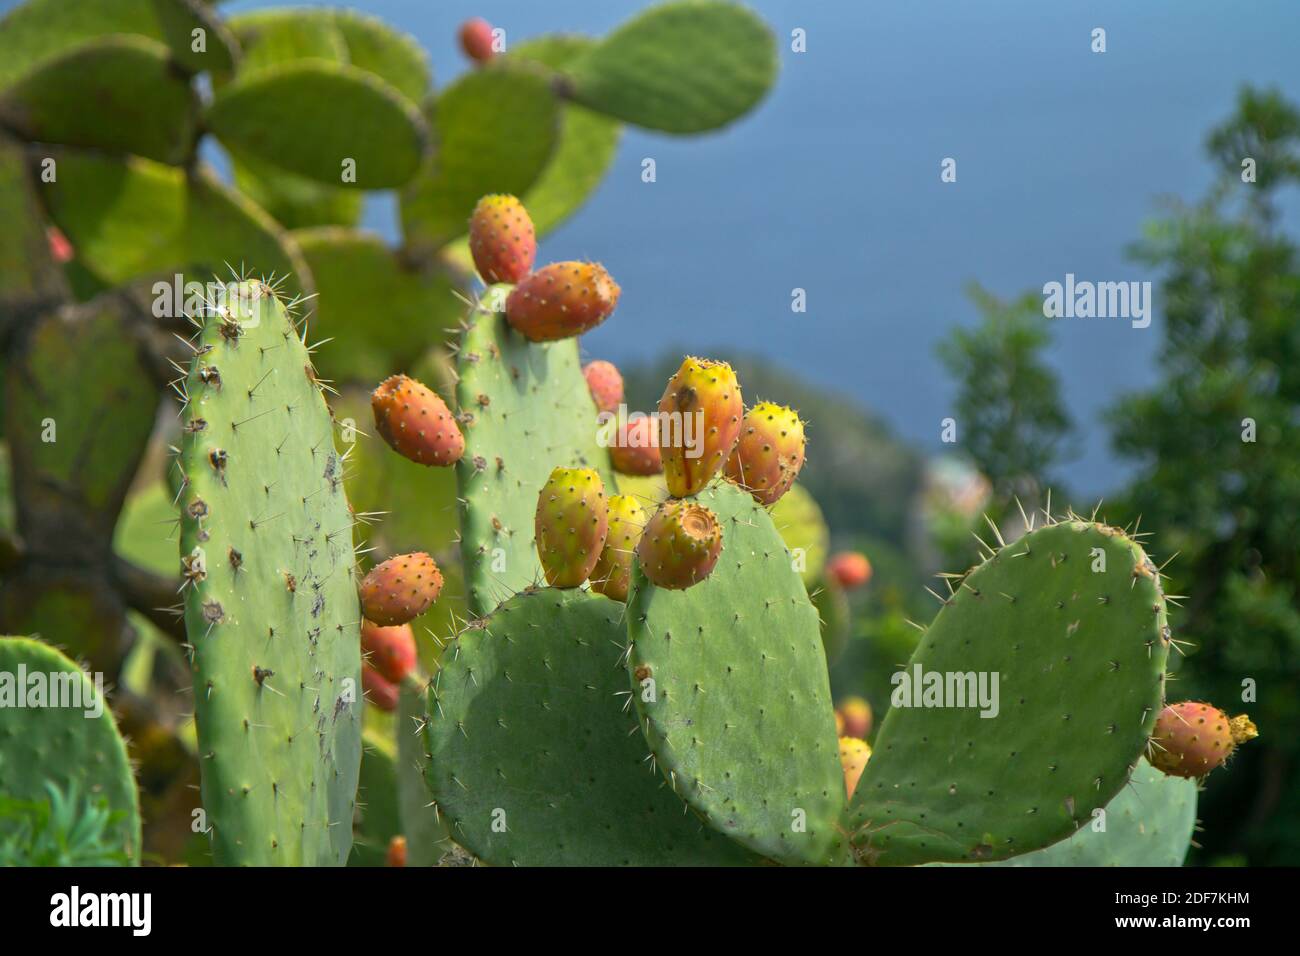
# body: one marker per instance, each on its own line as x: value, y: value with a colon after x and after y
x: 390, y: 650
x: 856, y: 714
x: 680, y: 545
x: 400, y: 589
x: 476, y: 40
x: 613, y: 572
x: 854, y: 754
x: 60, y: 249
x: 396, y: 855
x: 839, y: 723
x: 416, y: 422
x: 850, y: 569
x: 699, y: 422
x: 379, y: 690
x: 1191, y: 739
x: 606, y: 384
x: 769, y: 452
x: 635, y: 450
x: 501, y: 239
x: 571, y: 525
x: 562, y: 300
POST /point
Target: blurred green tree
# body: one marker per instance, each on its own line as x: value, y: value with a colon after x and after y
x: 1217, y: 441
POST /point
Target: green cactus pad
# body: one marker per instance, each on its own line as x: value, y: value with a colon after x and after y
x: 272, y: 37
x: 353, y: 271
x: 39, y: 30
x: 531, y: 412
x: 1081, y: 656
x: 836, y: 616
x: 67, y: 739
x: 142, y: 105
x: 585, y: 148
x: 76, y: 449
x: 133, y: 218
x: 534, y: 761
x: 30, y: 280
x: 296, y: 202
x: 803, y: 528
x: 264, y: 501
x: 425, y: 828
x: 378, y: 819
x: 311, y: 117
x: 741, y: 719
x: 473, y: 157
x: 1150, y: 823
x: 681, y: 67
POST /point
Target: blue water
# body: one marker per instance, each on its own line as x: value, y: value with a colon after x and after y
x: 833, y: 185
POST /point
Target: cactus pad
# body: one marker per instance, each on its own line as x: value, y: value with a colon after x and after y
x: 681, y: 67
x: 532, y: 762
x: 1080, y: 653
x: 525, y: 409
x: 271, y: 601
x: 56, y: 742
x: 740, y: 718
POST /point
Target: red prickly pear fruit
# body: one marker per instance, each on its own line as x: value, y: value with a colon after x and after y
x: 854, y: 754
x: 400, y: 589
x: 416, y: 422
x: 390, y: 650
x: 606, y: 384
x: 501, y: 239
x: 60, y: 249
x: 562, y: 300
x: 476, y: 40
x: 635, y: 451
x: 855, y: 717
x: 1191, y: 739
x: 571, y: 525
x: 379, y: 690
x: 396, y: 855
x: 850, y: 569
x: 699, y: 422
x: 769, y: 452
x: 613, y: 572
x: 680, y: 545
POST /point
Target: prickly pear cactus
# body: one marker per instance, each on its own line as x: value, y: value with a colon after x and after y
x: 532, y: 762
x: 1069, y: 621
x: 1150, y: 823
x: 67, y: 739
x: 524, y: 409
x: 270, y: 598
x: 729, y: 681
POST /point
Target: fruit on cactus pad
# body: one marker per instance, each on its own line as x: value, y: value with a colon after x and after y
x: 606, y: 384
x: 571, y: 525
x: 396, y: 855
x: 562, y: 300
x: 850, y: 569
x: 401, y: 588
x: 390, y: 650
x: 416, y: 422
x: 501, y: 239
x: 613, y: 572
x: 680, y: 545
x: 769, y: 452
x: 476, y: 40
x: 854, y: 754
x: 60, y: 249
x: 635, y: 449
x: 699, y: 421
x: 1191, y: 738
x: 379, y: 690
x: 856, y: 714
